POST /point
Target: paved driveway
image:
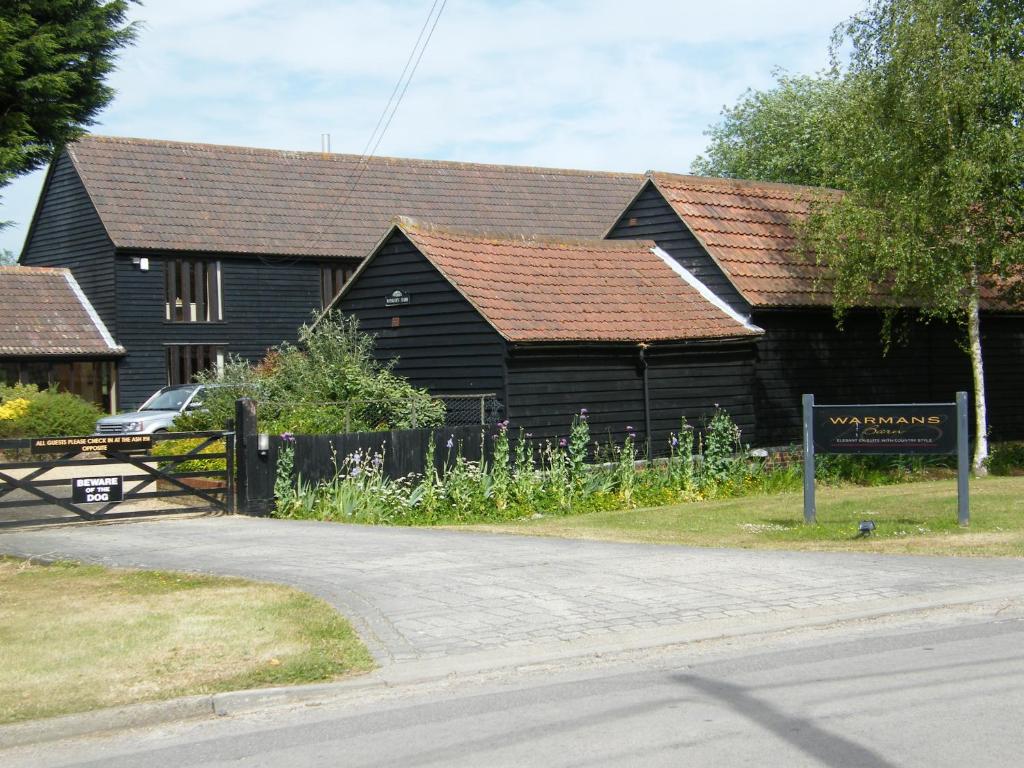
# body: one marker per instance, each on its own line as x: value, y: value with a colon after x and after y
x: 420, y: 595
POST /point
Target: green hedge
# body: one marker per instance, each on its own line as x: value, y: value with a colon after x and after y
x: 181, y: 447
x: 26, y: 411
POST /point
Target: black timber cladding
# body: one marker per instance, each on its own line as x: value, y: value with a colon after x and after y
x: 441, y: 342
x: 548, y: 386
x: 650, y: 217
x: 67, y: 232
x: 265, y: 301
x: 804, y: 352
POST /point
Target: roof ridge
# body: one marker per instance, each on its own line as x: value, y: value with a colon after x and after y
x: 27, y: 270
x: 335, y: 156
x: 417, y: 226
x: 717, y: 182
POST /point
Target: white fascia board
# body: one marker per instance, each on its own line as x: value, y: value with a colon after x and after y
x: 87, y: 306
x: 704, y: 291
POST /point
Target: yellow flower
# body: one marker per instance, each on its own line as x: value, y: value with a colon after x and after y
x: 14, y: 409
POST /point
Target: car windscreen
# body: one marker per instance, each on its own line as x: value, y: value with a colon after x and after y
x: 170, y: 399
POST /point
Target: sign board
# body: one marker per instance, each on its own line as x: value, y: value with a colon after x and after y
x: 96, y: 490
x: 875, y: 429
x: 395, y: 298
x: 916, y: 428
x: 90, y: 443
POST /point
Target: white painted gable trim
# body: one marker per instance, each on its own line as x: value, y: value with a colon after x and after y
x: 703, y: 290
x: 87, y: 306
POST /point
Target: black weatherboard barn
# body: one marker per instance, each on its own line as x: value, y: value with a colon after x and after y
x: 191, y: 252
x: 550, y: 326
x: 739, y: 237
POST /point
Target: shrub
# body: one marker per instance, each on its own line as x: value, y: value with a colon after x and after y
x: 26, y: 411
x: 182, y: 447
x: 329, y: 383
x: 1006, y: 459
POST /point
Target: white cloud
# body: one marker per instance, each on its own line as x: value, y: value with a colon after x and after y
x: 578, y: 83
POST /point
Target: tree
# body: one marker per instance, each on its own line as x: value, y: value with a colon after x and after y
x: 54, y: 58
x: 923, y: 130
x: 774, y: 135
x: 928, y: 144
x: 7, y: 258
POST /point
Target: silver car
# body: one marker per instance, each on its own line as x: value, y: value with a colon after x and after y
x: 156, y: 414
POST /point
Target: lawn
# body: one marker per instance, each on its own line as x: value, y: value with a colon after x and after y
x: 75, y: 637
x: 912, y: 518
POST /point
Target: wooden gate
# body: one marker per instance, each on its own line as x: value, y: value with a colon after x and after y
x: 48, y: 480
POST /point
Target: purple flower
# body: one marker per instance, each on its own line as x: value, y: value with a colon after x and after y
x: 632, y: 435
x: 288, y: 437
x: 355, y: 471
x: 504, y: 424
x: 675, y: 441
x: 584, y: 411
x: 451, y: 442
x: 528, y: 434
x: 629, y: 429
x: 562, y: 443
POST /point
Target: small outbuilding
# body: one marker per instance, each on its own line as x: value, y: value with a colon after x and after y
x: 551, y: 326
x: 50, y: 335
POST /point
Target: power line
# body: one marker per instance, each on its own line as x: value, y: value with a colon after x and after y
x: 392, y: 106
x: 386, y: 116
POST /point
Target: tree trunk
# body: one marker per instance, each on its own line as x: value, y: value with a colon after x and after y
x: 977, y: 368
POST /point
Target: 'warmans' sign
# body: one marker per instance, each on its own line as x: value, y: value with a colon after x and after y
x: 920, y: 429
x: 917, y: 428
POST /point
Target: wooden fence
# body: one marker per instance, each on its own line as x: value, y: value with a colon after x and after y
x: 403, y: 452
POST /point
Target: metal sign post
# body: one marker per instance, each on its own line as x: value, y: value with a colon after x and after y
x: 963, y: 508
x: 885, y: 429
x: 810, y: 509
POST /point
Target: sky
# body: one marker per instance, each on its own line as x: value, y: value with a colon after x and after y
x: 593, y: 84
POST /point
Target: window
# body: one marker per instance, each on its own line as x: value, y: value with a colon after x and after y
x: 193, y: 293
x: 332, y: 278
x: 186, y: 360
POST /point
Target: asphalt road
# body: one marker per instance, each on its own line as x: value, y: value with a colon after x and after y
x: 943, y: 690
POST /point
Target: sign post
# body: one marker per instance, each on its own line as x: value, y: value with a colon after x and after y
x: 963, y: 509
x: 911, y: 428
x: 810, y: 508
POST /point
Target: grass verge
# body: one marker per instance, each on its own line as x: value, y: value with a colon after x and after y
x: 77, y: 637
x: 914, y: 518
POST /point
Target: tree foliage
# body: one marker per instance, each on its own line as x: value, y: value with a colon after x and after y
x: 54, y: 58
x: 776, y: 134
x: 928, y: 143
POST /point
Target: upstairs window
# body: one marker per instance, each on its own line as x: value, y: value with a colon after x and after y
x: 193, y: 292
x: 332, y: 277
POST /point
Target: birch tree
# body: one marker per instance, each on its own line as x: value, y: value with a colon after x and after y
x: 928, y: 144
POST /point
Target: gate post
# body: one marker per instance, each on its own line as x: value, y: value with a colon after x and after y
x: 255, y: 472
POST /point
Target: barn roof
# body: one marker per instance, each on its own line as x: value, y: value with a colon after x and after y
x: 43, y: 312
x: 202, y: 197
x: 545, y: 289
x: 749, y: 229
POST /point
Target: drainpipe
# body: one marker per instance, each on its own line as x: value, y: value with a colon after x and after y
x: 647, y: 399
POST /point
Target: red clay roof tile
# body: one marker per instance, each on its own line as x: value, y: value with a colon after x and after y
x: 43, y: 312
x: 746, y: 223
x: 533, y: 290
